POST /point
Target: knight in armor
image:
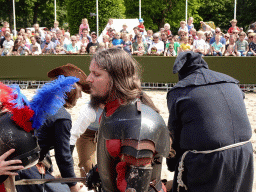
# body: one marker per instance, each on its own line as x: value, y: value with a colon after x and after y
x: 132, y: 138
x: 210, y: 130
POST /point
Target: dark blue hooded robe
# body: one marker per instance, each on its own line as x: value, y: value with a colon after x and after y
x: 206, y: 112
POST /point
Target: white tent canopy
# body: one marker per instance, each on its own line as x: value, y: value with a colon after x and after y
x: 118, y: 26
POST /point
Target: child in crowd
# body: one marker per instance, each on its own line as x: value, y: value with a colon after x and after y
x: 167, y: 28
x: 252, y: 45
x: 233, y: 27
x: 106, y: 41
x: 117, y: 42
x: 35, y: 50
x: 83, y: 50
x: 183, y: 26
x: 5, y: 26
x: 242, y: 45
x: 217, y: 47
x: 193, y: 33
x: 92, y: 50
x: 127, y: 44
x: 101, y: 46
x: 7, y: 45
x: 171, y: 52
x: 190, y: 24
x: 185, y: 46
x: 23, y: 48
x: 199, y: 45
x: 230, y: 50
x: 56, y: 27
x: 141, y: 26
x: 110, y: 24
x: 124, y: 30
x: 153, y: 51
x: 59, y: 50
x: 149, y: 37
x: 84, y: 24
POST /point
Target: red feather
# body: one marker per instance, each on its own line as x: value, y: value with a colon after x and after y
x: 22, y: 117
x: 6, y: 97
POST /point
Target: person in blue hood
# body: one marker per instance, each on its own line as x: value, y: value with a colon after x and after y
x: 210, y: 130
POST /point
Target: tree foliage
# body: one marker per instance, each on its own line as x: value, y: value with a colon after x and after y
x: 77, y: 10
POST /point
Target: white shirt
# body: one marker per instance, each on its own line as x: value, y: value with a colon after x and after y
x: 8, y: 44
x: 38, y: 46
x: 159, y: 46
x: 87, y: 115
x: 199, y: 44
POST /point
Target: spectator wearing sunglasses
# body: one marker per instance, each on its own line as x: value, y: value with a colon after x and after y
x: 94, y: 42
x: 222, y: 39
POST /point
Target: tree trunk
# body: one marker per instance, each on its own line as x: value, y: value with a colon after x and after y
x: 10, y: 14
x: 35, y: 9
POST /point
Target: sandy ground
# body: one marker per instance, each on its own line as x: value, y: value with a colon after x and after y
x: 159, y: 98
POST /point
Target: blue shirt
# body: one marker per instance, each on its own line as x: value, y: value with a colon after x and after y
x: 72, y: 49
x: 222, y: 40
x: 117, y: 41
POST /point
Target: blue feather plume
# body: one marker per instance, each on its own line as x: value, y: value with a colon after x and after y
x: 50, y: 98
x: 20, y: 100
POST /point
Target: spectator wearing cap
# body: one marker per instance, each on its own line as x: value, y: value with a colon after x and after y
x: 233, y: 27
x: 85, y: 34
x: 124, y: 30
x: 157, y: 43
x: 222, y: 39
x: 141, y: 26
x: 183, y: 26
x: 252, y: 45
x: 93, y: 43
x: 48, y: 46
x: 242, y: 47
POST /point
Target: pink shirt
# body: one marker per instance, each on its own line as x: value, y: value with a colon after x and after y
x: 82, y: 26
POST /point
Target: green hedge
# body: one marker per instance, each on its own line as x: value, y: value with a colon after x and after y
x: 155, y: 69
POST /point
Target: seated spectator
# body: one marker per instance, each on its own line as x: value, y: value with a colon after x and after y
x: 199, y: 45
x: 182, y: 34
x: 252, y: 45
x: 59, y: 50
x: 34, y: 50
x: 66, y: 40
x: 250, y: 36
x: 7, y: 45
x: 117, y: 42
x: 164, y: 38
x: 153, y: 51
x: 191, y: 41
x: 136, y: 33
x: 222, y: 39
x: 83, y: 50
x: 127, y: 44
x: 39, y: 31
x: 139, y: 48
x: 236, y: 32
x: 190, y: 24
x: 7, y: 30
x: 185, y: 46
x: 230, y: 48
x: 84, y: 25
x: 167, y: 28
x: 78, y: 42
x: 227, y: 36
x: 175, y: 45
x: 158, y: 44
x: 48, y: 46
x: 92, y: 50
x: 85, y: 33
x: 16, y: 46
x: 217, y: 47
x: 84, y: 42
x: 193, y: 33
x: 56, y: 27
x: 171, y: 52
x: 208, y: 49
x: 233, y: 27
x: 38, y: 39
x: 72, y: 48
x: 93, y: 43
x: 106, y: 41
x: 141, y: 26
x: 242, y: 47
x: 23, y: 49
x: 33, y: 42
x: 124, y: 29
x: 101, y: 46
x: 183, y: 26
x: 5, y: 26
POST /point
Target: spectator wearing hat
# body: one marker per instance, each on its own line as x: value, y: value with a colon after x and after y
x: 252, y: 45
x: 158, y: 44
x: 222, y: 39
x: 233, y: 27
x: 242, y: 47
x: 93, y: 43
x: 141, y: 26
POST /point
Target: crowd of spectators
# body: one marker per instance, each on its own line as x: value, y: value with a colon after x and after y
x: 206, y: 41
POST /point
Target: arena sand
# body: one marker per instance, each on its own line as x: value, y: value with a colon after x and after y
x: 159, y: 98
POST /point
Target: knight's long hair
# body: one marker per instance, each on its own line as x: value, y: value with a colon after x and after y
x: 125, y: 74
